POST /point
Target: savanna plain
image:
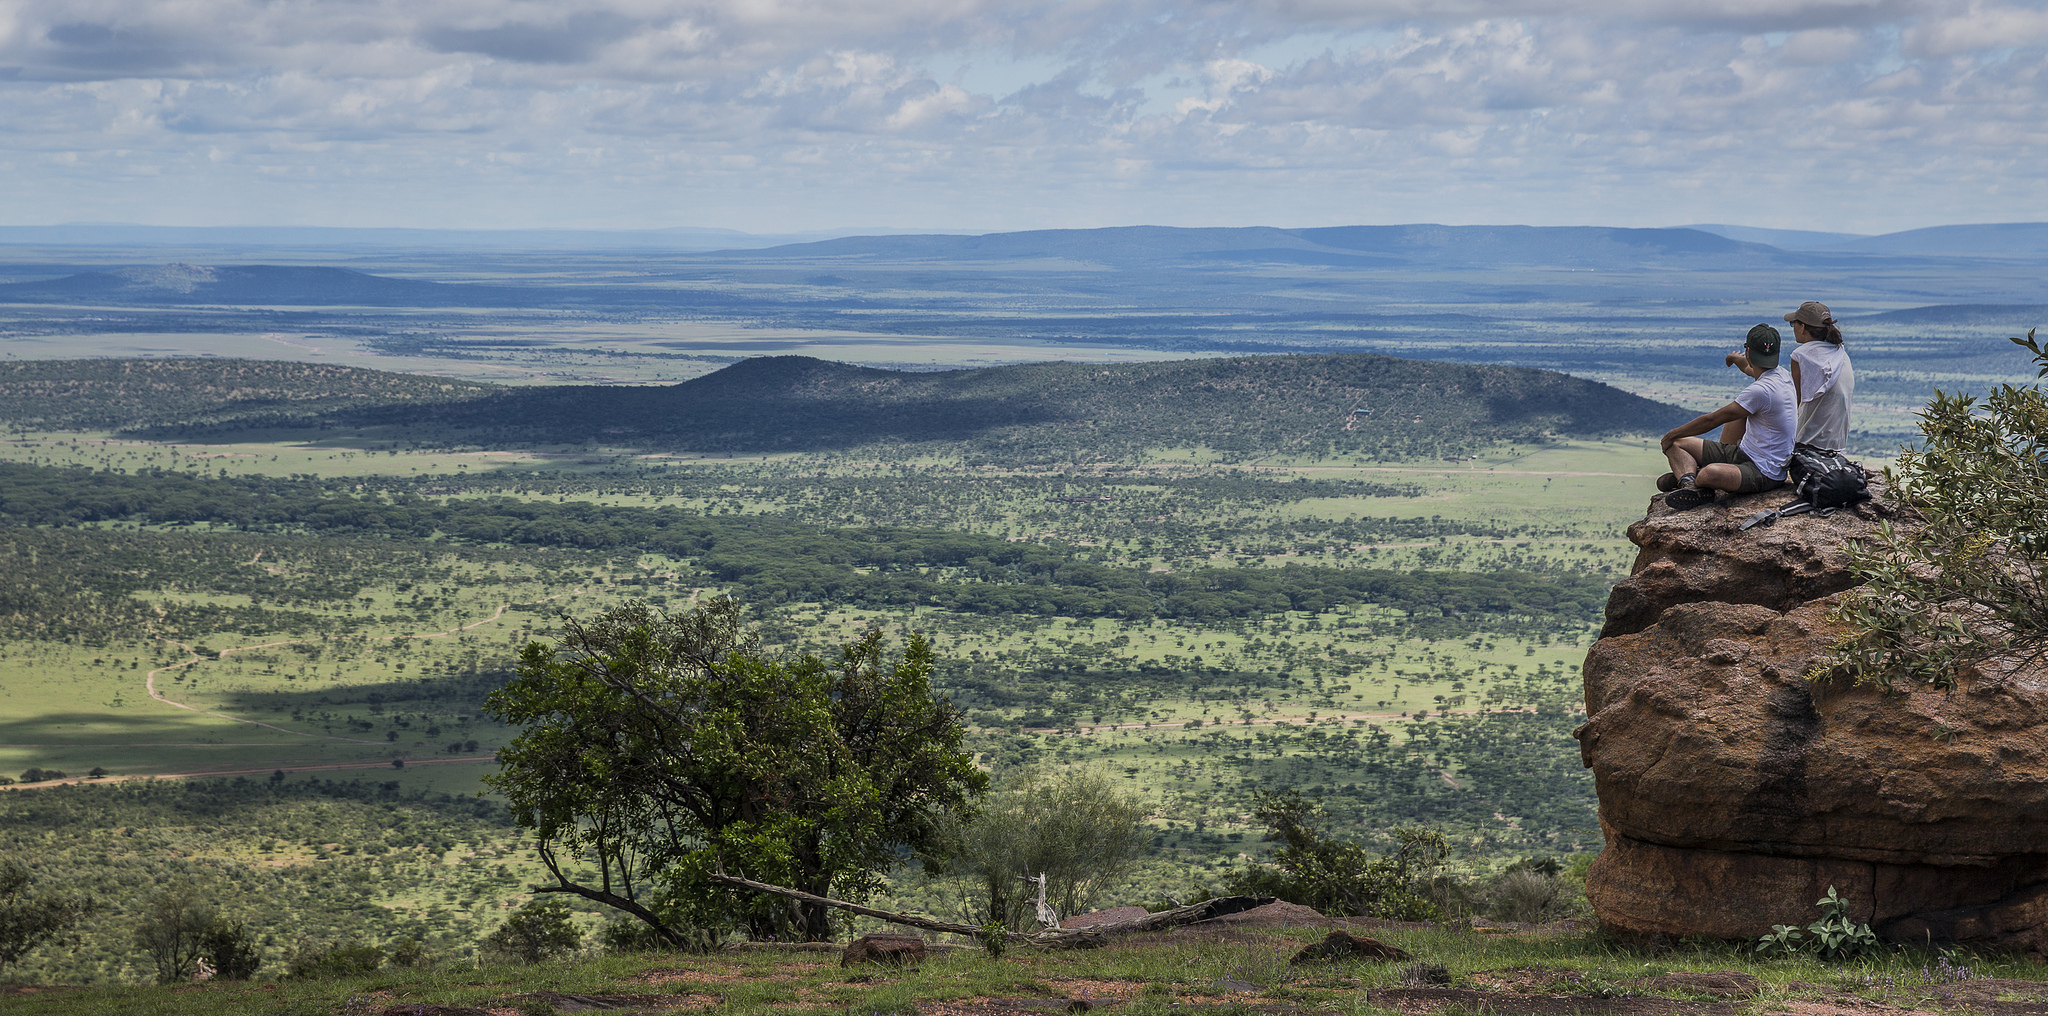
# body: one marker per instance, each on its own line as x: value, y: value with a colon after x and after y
x: 251, y: 624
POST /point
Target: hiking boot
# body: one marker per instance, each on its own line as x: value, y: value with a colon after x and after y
x: 1668, y: 483
x: 1688, y: 498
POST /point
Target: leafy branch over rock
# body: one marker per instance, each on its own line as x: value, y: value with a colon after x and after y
x: 1966, y: 587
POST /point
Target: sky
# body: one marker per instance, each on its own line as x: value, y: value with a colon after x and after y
x: 775, y: 116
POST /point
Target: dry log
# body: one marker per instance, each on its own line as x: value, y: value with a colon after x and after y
x: 1052, y: 938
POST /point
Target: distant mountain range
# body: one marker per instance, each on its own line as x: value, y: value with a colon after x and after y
x: 1426, y: 247
x: 1243, y: 408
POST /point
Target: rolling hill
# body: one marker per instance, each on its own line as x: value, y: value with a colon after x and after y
x: 117, y: 394
x: 1241, y: 407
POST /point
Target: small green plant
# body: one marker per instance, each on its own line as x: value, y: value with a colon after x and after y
x: 995, y: 937
x: 1784, y: 940
x: 1834, y: 936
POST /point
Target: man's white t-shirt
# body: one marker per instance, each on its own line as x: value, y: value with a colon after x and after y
x: 1773, y: 421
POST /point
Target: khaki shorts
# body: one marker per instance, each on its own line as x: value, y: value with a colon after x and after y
x: 1753, y: 479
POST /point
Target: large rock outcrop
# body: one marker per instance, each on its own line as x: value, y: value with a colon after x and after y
x: 1735, y: 788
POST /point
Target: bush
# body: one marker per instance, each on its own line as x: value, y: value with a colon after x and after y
x: 1317, y: 870
x: 1075, y: 827
x: 232, y: 951
x: 1521, y: 895
x: 410, y: 952
x: 1966, y: 586
x: 346, y: 959
x: 540, y: 930
x: 173, y: 927
x: 27, y: 919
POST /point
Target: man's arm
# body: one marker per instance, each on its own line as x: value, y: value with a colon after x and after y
x: 1702, y: 424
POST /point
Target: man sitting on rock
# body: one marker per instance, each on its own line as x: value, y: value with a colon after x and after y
x: 1756, y: 435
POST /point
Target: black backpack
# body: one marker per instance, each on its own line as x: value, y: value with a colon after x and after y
x: 1825, y: 482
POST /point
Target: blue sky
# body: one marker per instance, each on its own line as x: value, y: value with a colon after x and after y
x: 785, y: 115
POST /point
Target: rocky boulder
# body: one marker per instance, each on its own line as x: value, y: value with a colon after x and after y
x: 888, y: 950
x: 1737, y: 783
x: 1690, y: 557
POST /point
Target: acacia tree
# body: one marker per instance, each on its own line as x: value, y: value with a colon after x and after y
x: 28, y: 918
x: 1970, y: 584
x: 1073, y: 826
x: 660, y: 748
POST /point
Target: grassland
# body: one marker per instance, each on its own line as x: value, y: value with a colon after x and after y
x: 1232, y: 972
x: 285, y: 646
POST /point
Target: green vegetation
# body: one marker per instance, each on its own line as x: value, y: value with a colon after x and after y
x: 82, y: 395
x: 657, y: 749
x: 1073, y: 829
x: 1395, y: 639
x: 1341, y: 876
x: 1969, y: 581
x: 1243, y: 409
x: 1152, y: 975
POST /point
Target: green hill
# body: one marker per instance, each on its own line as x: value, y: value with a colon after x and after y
x: 1242, y: 407
x: 127, y: 394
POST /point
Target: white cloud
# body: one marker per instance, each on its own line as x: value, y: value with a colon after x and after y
x: 975, y: 113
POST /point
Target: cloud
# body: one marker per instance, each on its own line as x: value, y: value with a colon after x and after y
x: 511, y: 112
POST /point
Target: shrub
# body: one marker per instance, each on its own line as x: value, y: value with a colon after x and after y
x: 1966, y: 586
x: 345, y: 959
x: 232, y: 951
x: 539, y: 930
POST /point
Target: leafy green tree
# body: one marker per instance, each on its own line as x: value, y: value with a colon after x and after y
x: 539, y: 930
x: 232, y: 950
x: 27, y: 918
x: 1318, y: 870
x: 1971, y: 584
x: 173, y: 932
x: 659, y: 748
x: 1074, y: 826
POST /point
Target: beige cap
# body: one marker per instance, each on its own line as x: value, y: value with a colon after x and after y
x: 1812, y: 314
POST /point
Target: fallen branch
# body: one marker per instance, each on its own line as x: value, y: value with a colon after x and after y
x: 1093, y: 937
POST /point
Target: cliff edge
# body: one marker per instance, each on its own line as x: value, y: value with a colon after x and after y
x: 1734, y: 790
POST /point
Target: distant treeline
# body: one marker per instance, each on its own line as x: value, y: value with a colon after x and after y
x: 116, y: 394
x: 773, y: 560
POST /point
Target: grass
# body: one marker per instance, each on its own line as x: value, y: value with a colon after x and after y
x: 1150, y: 974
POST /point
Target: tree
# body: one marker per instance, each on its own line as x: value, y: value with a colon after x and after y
x: 659, y: 748
x: 539, y: 930
x: 1318, y: 870
x: 28, y: 919
x: 1971, y: 584
x: 173, y: 932
x: 232, y: 951
x: 1073, y: 826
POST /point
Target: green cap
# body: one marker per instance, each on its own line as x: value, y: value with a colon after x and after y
x: 1762, y: 346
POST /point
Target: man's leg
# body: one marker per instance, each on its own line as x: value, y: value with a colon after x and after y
x: 1720, y: 476
x: 1684, y: 456
x: 1731, y: 433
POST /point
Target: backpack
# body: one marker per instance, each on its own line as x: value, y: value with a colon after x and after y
x: 1825, y: 482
